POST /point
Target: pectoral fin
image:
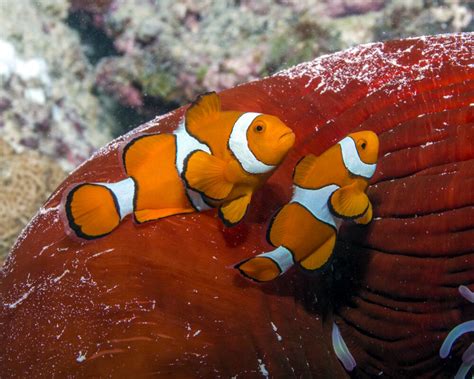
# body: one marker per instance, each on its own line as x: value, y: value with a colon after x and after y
x: 320, y: 256
x: 349, y: 202
x: 366, y: 217
x: 304, y: 168
x: 233, y: 211
x: 204, y: 172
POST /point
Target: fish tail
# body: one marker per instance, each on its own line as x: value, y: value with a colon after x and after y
x: 267, y: 266
x: 95, y: 209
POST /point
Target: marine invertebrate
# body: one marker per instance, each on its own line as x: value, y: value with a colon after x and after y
x: 455, y: 333
x: 159, y: 300
x: 341, y: 350
x: 26, y: 180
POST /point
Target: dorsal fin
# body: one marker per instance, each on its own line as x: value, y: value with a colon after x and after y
x: 204, y: 109
x: 303, y: 169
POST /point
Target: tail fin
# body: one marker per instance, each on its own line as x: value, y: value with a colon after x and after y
x: 95, y: 209
x: 267, y: 266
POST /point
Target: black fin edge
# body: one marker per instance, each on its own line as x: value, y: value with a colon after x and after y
x: 335, y: 213
x: 183, y: 177
x: 227, y: 222
x: 72, y: 224
x: 243, y: 273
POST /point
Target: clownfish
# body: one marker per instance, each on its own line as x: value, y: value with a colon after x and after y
x: 215, y: 159
x: 327, y: 189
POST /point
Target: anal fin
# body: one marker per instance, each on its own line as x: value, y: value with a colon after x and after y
x: 319, y: 257
x: 155, y: 214
x: 233, y: 211
x: 204, y: 173
x: 259, y: 269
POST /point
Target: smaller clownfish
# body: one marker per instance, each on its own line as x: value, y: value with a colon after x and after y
x: 327, y: 188
x: 215, y: 159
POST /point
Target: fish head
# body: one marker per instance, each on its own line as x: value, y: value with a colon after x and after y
x: 269, y: 139
x: 367, y: 144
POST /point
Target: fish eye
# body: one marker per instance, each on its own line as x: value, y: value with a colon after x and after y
x: 259, y: 128
x: 363, y: 144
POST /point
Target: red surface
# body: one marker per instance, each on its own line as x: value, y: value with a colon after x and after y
x: 162, y: 298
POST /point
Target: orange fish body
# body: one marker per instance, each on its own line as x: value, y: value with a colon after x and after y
x: 327, y: 188
x: 214, y: 159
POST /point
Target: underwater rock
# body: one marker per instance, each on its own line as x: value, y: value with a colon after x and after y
x: 46, y: 100
x: 162, y: 298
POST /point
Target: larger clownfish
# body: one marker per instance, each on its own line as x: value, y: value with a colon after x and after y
x: 327, y: 188
x: 214, y: 159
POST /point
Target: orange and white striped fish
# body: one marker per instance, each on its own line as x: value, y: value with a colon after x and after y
x: 214, y: 159
x: 327, y: 189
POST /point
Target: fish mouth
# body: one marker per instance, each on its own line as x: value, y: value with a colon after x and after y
x: 286, y: 136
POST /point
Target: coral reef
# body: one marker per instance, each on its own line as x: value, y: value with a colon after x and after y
x: 26, y: 180
x: 48, y: 113
x: 173, y: 50
x: 404, y: 18
x: 46, y: 84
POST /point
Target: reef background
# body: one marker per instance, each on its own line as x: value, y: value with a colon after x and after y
x: 74, y: 74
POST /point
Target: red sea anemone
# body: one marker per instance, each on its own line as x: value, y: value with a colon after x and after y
x: 162, y: 298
